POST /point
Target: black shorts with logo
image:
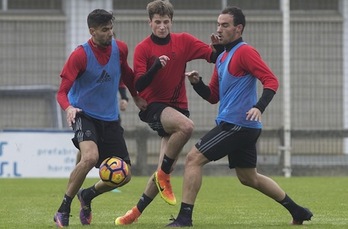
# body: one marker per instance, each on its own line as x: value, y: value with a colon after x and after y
x: 236, y: 142
x: 108, y: 135
x: 152, y: 116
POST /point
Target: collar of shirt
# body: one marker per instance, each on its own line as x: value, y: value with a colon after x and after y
x: 160, y: 41
x: 229, y: 46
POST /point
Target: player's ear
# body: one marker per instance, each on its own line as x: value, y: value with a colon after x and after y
x: 92, y: 31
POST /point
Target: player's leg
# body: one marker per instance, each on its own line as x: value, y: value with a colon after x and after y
x: 148, y: 195
x: 135, y: 212
x: 193, y: 175
x: 191, y: 185
x: 179, y: 127
x: 113, y: 144
x: 250, y: 177
x: 89, y: 157
x: 213, y: 146
x: 78, y: 157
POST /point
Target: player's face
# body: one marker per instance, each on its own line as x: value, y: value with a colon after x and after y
x: 160, y: 25
x: 226, y: 31
x: 102, y: 36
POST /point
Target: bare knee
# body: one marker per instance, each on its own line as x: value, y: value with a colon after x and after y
x: 187, y: 127
x: 247, y: 181
x: 89, y: 160
x: 247, y: 177
x: 195, y: 158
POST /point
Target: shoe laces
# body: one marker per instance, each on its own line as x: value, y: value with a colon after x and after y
x: 87, y: 207
x: 172, y: 218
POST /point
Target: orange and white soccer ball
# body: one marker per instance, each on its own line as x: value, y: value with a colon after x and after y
x: 113, y: 171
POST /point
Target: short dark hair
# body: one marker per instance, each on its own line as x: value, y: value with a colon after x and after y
x: 237, y: 13
x: 99, y: 17
x: 161, y: 7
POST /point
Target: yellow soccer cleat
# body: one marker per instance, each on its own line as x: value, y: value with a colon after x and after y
x: 162, y: 181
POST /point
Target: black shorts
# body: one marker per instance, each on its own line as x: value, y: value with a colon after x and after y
x: 152, y: 116
x: 236, y: 142
x: 108, y: 135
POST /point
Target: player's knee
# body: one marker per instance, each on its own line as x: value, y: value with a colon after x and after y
x: 195, y: 158
x: 248, y: 181
x: 187, y: 127
x: 89, y: 162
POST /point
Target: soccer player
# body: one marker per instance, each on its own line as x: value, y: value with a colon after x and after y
x: 234, y: 85
x: 88, y: 94
x: 122, y: 89
x: 159, y: 66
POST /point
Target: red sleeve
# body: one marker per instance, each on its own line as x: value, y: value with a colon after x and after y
x: 214, y: 88
x: 248, y: 60
x: 73, y: 67
x: 127, y: 74
x: 195, y: 48
x: 141, y: 60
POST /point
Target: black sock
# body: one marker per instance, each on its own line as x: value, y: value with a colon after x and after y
x: 144, y: 201
x: 66, y: 203
x: 89, y: 193
x: 167, y: 164
x: 289, y: 204
x: 186, y: 210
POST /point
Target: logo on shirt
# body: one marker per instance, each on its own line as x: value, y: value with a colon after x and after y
x: 104, y: 77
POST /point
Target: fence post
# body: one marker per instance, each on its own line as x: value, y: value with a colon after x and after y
x: 141, y: 138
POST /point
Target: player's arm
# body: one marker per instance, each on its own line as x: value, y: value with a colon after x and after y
x: 216, y: 47
x: 197, y: 49
x: 74, y: 67
x: 209, y: 93
x: 127, y: 74
x: 123, y: 94
x: 127, y: 77
x: 145, y: 80
x: 145, y: 76
x: 123, y: 91
x: 252, y: 62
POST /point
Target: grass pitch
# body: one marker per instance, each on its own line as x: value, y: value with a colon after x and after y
x: 222, y: 203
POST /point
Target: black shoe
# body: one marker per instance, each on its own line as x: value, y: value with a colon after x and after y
x: 180, y: 222
x: 304, y: 214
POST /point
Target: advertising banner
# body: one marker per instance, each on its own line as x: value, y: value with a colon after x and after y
x: 37, y: 154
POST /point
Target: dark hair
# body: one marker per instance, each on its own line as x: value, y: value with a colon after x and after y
x: 161, y: 7
x: 99, y: 17
x: 237, y: 13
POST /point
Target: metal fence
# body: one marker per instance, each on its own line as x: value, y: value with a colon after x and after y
x: 36, y: 39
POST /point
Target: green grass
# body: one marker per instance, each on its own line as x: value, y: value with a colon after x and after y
x: 222, y: 203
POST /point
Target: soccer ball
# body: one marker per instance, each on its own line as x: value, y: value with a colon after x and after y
x: 113, y: 171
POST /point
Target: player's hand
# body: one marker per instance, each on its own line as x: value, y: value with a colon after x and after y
x: 215, y: 39
x: 123, y: 104
x: 140, y: 102
x: 71, y: 114
x: 192, y: 76
x: 164, y: 59
x: 254, y: 114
